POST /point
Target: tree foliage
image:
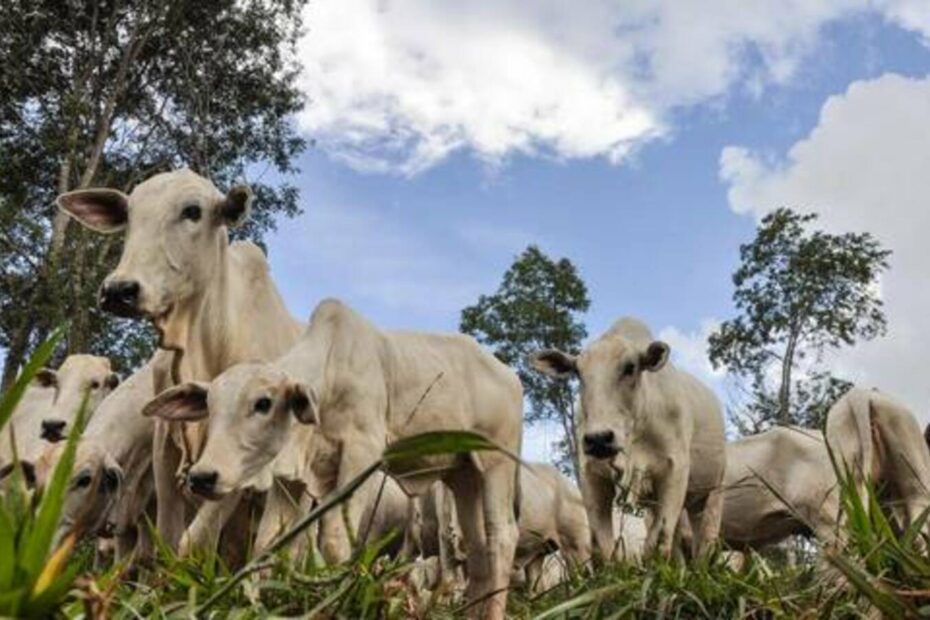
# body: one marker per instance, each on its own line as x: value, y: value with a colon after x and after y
x: 108, y: 93
x: 536, y: 306
x: 798, y: 293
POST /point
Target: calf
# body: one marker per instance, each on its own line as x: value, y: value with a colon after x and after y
x: 51, y: 403
x: 365, y: 388
x: 643, y: 421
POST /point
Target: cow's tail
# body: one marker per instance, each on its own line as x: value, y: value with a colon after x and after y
x: 861, y: 405
x: 517, y: 490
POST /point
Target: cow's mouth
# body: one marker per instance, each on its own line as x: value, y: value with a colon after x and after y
x: 211, y: 495
x: 601, y: 452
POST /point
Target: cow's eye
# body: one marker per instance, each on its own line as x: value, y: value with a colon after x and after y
x: 628, y: 369
x: 191, y: 212
x: 83, y: 481
x: 263, y: 405
x: 95, y: 385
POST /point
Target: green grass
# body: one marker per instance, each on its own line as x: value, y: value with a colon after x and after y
x: 876, y: 568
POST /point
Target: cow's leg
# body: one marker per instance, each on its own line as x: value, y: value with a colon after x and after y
x: 204, y: 531
x: 335, y: 539
x: 598, y: 494
x: 670, y: 501
x: 170, y: 519
x: 709, y: 525
x: 280, y: 512
x: 467, y: 488
x: 500, y: 525
x: 449, y: 537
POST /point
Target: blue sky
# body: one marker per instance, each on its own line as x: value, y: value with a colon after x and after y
x: 415, y: 204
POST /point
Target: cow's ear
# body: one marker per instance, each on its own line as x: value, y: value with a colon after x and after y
x: 234, y: 208
x: 655, y: 356
x: 181, y: 403
x: 102, y: 210
x: 554, y: 363
x: 301, y: 401
x: 112, y: 380
x: 46, y: 377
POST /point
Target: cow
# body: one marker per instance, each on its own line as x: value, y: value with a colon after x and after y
x: 212, y: 303
x: 552, y: 518
x: 778, y: 483
x: 649, y: 427
x: 52, y: 401
x: 878, y: 439
x: 365, y: 388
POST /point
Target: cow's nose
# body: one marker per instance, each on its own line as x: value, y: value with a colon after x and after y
x: 202, y: 482
x: 601, y: 445
x: 53, y: 430
x: 120, y: 297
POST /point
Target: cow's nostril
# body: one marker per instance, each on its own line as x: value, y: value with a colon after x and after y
x: 53, y: 430
x: 120, y: 297
x: 202, y: 481
x: 600, y: 445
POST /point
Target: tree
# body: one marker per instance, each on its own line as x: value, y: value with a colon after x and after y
x: 799, y: 292
x: 108, y: 93
x: 535, y: 307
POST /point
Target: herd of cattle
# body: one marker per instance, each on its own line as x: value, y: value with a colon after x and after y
x: 246, y: 416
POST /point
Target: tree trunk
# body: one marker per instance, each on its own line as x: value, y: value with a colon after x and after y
x: 784, y: 390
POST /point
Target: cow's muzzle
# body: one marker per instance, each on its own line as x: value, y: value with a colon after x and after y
x: 120, y: 297
x: 600, y: 445
x: 203, y: 483
x: 53, y: 431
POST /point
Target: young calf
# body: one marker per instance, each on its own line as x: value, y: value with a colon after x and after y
x: 365, y: 388
x: 642, y: 420
x: 51, y: 403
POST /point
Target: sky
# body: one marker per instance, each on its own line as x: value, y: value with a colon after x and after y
x: 641, y: 139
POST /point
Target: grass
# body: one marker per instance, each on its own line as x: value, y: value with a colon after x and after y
x: 876, y: 570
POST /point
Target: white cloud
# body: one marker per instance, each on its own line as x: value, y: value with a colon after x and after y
x: 399, y: 85
x: 864, y: 167
x: 689, y: 351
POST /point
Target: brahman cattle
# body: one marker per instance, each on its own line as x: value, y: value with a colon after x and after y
x: 213, y: 304
x: 366, y: 388
x: 778, y: 483
x: 647, y: 426
x: 51, y: 403
x: 878, y: 439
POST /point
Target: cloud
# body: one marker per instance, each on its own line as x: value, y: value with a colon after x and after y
x: 689, y: 351
x: 863, y: 168
x: 398, y: 86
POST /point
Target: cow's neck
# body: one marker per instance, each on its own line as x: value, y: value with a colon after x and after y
x: 234, y: 319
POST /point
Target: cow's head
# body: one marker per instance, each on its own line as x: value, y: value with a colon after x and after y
x: 176, y: 225
x: 96, y: 481
x: 611, y: 373
x: 251, y: 408
x: 78, y: 375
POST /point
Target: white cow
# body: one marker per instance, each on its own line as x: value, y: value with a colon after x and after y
x: 879, y: 439
x: 552, y: 518
x: 366, y: 388
x: 794, y: 463
x: 213, y: 304
x: 643, y: 421
x: 51, y: 403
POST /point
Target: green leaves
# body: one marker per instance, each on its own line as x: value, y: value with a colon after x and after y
x: 798, y: 291
x: 537, y: 306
